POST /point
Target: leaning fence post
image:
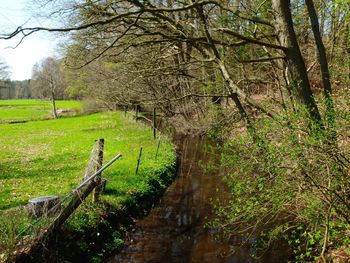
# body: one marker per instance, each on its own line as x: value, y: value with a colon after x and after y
x: 138, y: 162
x: 99, y: 162
x: 78, y: 196
x: 154, y: 124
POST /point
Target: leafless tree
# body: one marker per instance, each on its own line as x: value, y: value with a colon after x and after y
x: 48, y: 81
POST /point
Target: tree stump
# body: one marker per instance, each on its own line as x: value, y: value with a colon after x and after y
x: 39, y: 206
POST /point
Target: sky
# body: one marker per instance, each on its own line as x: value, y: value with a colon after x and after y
x: 37, y: 46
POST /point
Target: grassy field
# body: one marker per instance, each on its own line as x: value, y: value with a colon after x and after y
x: 49, y: 157
x: 27, y: 110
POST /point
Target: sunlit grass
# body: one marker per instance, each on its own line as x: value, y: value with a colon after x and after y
x: 28, y: 110
x: 49, y: 157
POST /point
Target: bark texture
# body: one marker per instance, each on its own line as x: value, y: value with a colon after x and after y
x: 297, y: 72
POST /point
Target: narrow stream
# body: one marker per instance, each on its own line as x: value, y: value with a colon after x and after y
x: 175, y: 231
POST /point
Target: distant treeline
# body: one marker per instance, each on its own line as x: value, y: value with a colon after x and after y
x: 17, y: 89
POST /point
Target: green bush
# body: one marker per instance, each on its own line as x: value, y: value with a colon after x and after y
x: 292, y: 184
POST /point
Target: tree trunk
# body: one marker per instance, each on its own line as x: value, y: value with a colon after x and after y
x: 99, y: 163
x: 77, y: 199
x: 327, y: 88
x: 347, y: 46
x: 234, y: 89
x: 53, y: 101
x: 297, y: 71
x: 334, y: 14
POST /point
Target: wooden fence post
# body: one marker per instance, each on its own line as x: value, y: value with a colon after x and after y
x: 154, y: 124
x: 138, y: 162
x: 78, y: 198
x: 98, y: 188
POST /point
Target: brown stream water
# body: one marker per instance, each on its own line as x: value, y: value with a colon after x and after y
x: 175, y: 231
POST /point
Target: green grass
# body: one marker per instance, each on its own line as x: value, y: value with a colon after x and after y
x: 49, y: 157
x: 28, y: 110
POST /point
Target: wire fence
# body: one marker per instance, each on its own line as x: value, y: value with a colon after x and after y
x: 75, y: 191
x: 91, y: 173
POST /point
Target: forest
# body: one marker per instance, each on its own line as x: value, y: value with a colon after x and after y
x: 267, y: 80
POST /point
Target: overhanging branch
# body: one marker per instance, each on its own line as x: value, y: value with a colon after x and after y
x: 249, y: 39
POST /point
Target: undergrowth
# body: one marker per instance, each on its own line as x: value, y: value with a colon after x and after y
x: 291, y: 184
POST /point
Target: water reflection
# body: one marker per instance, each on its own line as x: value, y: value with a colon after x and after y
x: 175, y: 230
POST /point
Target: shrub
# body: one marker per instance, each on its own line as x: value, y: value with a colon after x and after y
x: 292, y: 184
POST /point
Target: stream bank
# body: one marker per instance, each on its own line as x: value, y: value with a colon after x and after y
x: 175, y: 230
x: 95, y: 229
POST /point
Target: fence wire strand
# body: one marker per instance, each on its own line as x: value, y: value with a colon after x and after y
x: 90, y: 171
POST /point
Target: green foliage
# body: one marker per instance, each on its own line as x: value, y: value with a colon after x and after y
x: 218, y: 129
x: 288, y: 185
x: 90, y: 234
